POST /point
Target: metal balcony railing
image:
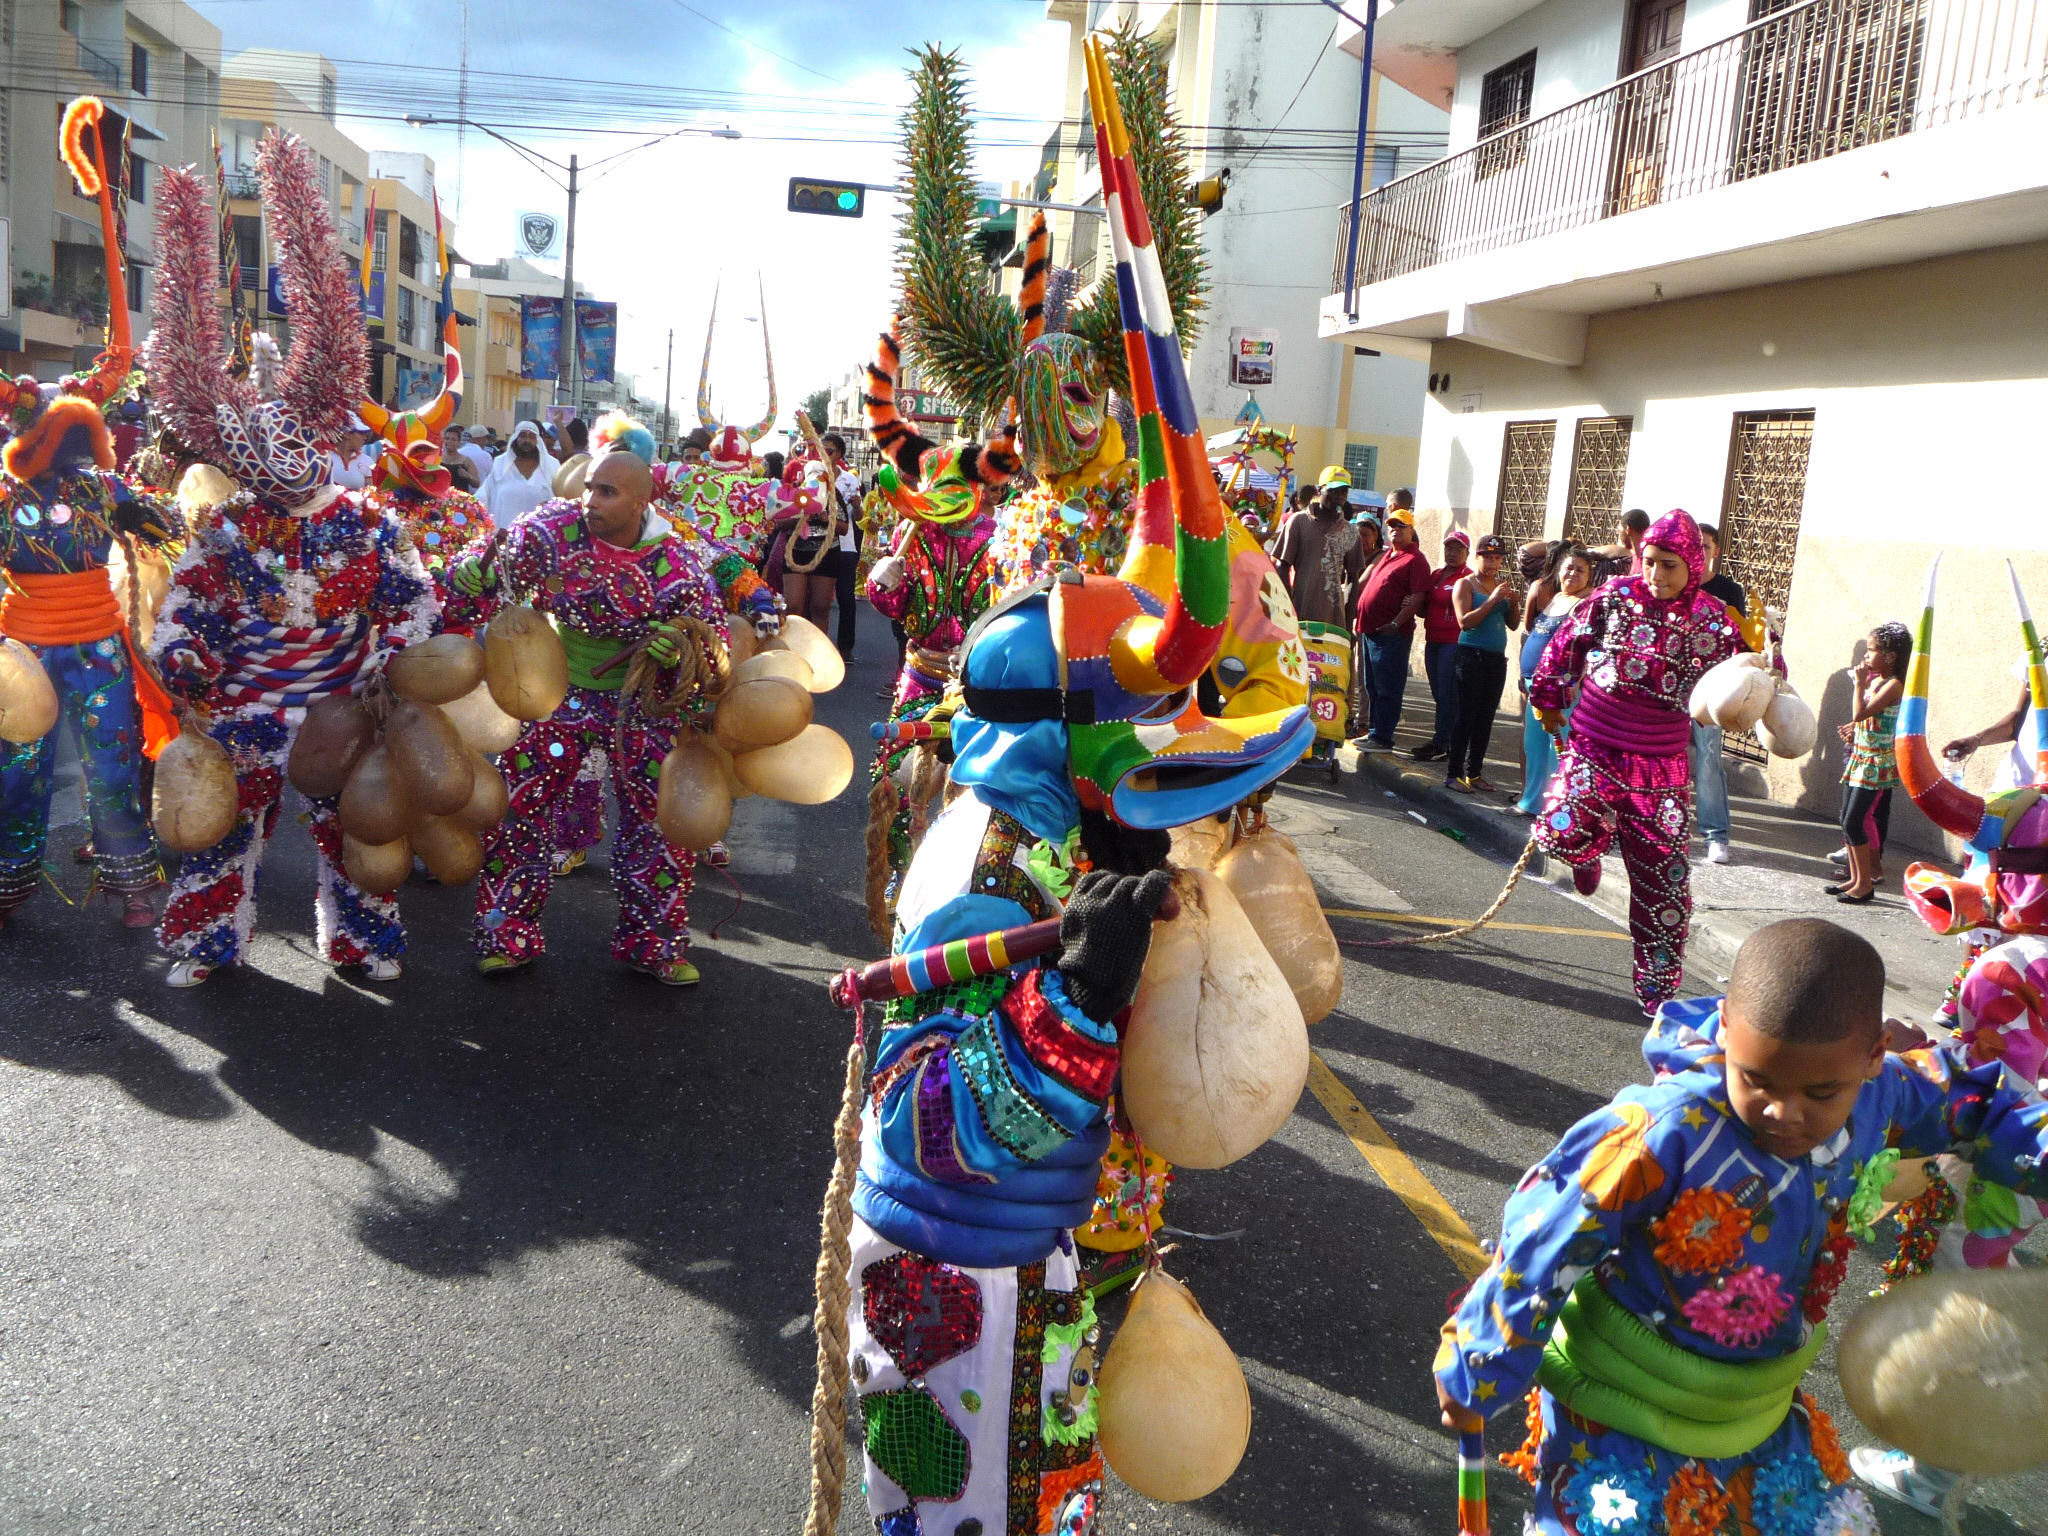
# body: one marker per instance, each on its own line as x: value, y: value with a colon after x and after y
x: 100, y: 67
x: 241, y: 184
x: 1814, y: 80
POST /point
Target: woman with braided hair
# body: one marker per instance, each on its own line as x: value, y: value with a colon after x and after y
x: 615, y: 575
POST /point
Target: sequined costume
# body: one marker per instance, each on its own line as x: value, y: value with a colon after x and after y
x: 270, y: 612
x: 1624, y: 777
x: 973, y: 1342
x: 1660, y: 1238
x: 603, y: 599
x: 56, y: 532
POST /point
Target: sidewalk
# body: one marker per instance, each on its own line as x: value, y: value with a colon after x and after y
x: 1780, y: 861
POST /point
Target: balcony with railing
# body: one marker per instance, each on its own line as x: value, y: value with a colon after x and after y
x: 103, y: 69
x: 1650, y: 187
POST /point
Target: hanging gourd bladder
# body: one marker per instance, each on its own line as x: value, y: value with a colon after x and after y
x: 332, y: 739
x: 429, y: 756
x: 809, y: 769
x: 803, y: 638
x: 1215, y: 1054
x: 451, y: 851
x: 194, y: 799
x: 378, y: 868
x: 1265, y: 874
x: 1788, y: 728
x: 488, y: 798
x: 483, y: 726
x: 28, y: 704
x: 524, y: 663
x: 1175, y: 1414
x: 1733, y: 694
x: 375, y: 804
x: 762, y: 712
x: 693, y: 804
x: 439, y: 670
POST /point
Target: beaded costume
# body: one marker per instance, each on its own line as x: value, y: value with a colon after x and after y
x: 1660, y: 1270
x: 289, y: 592
x: 62, y: 513
x: 1624, y: 776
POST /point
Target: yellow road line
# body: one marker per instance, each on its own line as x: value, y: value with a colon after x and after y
x: 1455, y: 922
x: 1399, y: 1174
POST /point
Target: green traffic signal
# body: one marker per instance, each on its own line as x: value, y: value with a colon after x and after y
x: 849, y: 201
x: 835, y: 199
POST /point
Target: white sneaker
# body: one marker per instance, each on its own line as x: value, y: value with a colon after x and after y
x: 1897, y: 1475
x: 377, y: 968
x: 187, y: 973
x: 1717, y: 851
x: 1839, y: 856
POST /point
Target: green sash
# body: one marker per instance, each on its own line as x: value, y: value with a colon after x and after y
x: 1603, y: 1363
x: 586, y: 651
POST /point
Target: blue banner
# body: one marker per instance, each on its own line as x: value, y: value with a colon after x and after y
x: 416, y: 385
x: 540, y: 337
x: 597, y: 340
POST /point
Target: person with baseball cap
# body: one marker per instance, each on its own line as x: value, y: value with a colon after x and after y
x: 1318, y: 553
x: 1393, y: 596
x: 1486, y: 607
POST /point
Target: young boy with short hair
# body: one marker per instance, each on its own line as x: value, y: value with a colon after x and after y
x: 1663, y: 1275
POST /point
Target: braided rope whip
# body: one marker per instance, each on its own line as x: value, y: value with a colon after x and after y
x: 1514, y: 879
x: 834, y: 1287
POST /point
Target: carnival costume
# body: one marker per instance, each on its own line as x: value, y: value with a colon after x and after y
x: 1662, y: 1284
x: 972, y: 1340
x: 411, y: 484
x: 63, y: 513
x: 289, y: 592
x: 604, y: 599
x: 723, y: 496
x: 1624, y: 776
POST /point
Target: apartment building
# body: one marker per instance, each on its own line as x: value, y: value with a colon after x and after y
x: 1780, y: 264
x: 498, y: 397
x: 157, y: 67
x: 1268, y: 97
x: 405, y: 283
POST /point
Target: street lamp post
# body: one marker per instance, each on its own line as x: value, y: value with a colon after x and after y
x: 569, y: 373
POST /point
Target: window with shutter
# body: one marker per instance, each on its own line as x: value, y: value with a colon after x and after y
x: 1599, y: 468
x: 1505, y: 96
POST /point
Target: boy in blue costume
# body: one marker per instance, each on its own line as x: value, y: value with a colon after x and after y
x: 1664, y: 1275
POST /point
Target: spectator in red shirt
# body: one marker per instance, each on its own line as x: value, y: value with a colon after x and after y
x: 1440, y: 643
x: 1393, y: 596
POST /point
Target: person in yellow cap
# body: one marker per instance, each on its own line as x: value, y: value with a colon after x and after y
x: 1318, y: 553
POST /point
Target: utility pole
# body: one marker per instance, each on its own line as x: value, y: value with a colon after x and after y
x: 667, y: 379
x: 570, y: 366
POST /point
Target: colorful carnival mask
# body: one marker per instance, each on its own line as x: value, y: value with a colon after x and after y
x: 411, y: 460
x: 922, y: 480
x: 1131, y: 648
x: 2006, y: 884
x: 266, y: 443
x: 1062, y: 399
x: 62, y: 430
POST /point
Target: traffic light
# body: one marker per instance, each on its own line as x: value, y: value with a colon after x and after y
x: 839, y: 199
x: 1206, y: 195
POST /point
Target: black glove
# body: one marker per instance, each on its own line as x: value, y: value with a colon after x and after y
x: 1104, y: 934
x: 132, y: 514
x: 1123, y: 850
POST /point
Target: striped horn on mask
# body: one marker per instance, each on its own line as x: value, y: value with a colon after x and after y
x: 1949, y: 806
x: 1177, y: 496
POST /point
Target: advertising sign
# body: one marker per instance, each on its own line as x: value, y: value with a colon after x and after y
x: 540, y: 336
x: 597, y: 340
x: 1251, y: 357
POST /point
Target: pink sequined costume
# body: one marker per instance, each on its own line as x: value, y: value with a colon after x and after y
x: 603, y: 600
x: 1624, y: 776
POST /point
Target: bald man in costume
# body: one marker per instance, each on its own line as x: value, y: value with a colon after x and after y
x: 614, y: 573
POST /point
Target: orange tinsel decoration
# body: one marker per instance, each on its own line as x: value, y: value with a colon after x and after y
x: 1702, y: 1232
x: 80, y: 118
x: 1695, y: 1503
x: 1827, y: 1442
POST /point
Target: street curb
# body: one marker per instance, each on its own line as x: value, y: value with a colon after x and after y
x: 1491, y: 822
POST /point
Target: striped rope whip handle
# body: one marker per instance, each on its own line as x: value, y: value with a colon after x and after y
x: 1472, y: 1518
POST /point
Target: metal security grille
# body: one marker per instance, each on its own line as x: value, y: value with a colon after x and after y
x: 1504, y: 99
x: 1524, y: 499
x: 1599, y: 466
x: 1766, y: 490
x: 1363, y: 462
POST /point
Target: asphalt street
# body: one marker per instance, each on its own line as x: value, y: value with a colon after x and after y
x: 293, y: 1254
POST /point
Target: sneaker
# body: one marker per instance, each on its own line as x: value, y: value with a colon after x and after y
x: 1586, y: 877
x: 1429, y: 752
x: 569, y: 863
x: 187, y: 973
x: 380, y: 968
x: 500, y: 965
x: 1374, y: 744
x: 1717, y: 850
x: 676, y: 973
x: 1898, y: 1476
x: 1839, y: 856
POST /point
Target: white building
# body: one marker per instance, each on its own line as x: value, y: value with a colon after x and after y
x: 1782, y: 265
x: 1266, y: 96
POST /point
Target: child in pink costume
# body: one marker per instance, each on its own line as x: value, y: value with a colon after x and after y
x: 1633, y: 654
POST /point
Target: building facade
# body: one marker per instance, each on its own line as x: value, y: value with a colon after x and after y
x: 157, y: 67
x: 1268, y: 96
x: 1781, y: 265
x: 491, y: 351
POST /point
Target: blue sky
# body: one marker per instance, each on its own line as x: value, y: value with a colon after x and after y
x: 658, y: 231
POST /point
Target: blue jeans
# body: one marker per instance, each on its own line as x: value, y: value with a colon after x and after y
x: 1386, y: 680
x: 1709, y: 783
x: 1440, y: 666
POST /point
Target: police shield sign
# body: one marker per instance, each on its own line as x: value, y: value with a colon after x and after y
x: 540, y: 236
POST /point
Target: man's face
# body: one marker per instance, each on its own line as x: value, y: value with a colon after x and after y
x: 1712, y: 546
x: 1401, y: 535
x: 1792, y: 1098
x: 834, y: 454
x: 526, y: 446
x: 1665, y: 571
x: 693, y: 455
x: 1626, y: 536
x: 1335, y: 498
x: 615, y: 496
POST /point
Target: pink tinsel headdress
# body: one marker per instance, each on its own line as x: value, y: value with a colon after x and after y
x: 1677, y: 532
x: 267, y: 444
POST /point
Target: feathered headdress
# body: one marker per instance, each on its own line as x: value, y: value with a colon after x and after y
x: 60, y: 430
x: 266, y: 444
x: 616, y: 432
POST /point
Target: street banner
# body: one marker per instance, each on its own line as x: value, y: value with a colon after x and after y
x: 540, y: 336
x: 1251, y: 357
x: 538, y: 236
x: 416, y: 385
x: 597, y: 340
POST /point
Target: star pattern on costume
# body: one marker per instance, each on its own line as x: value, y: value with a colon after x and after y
x: 1695, y: 1117
x: 1486, y: 1391
x: 1581, y: 1452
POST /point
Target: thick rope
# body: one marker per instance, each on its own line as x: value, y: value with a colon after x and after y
x: 834, y: 1287
x: 1514, y: 879
x: 883, y: 803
